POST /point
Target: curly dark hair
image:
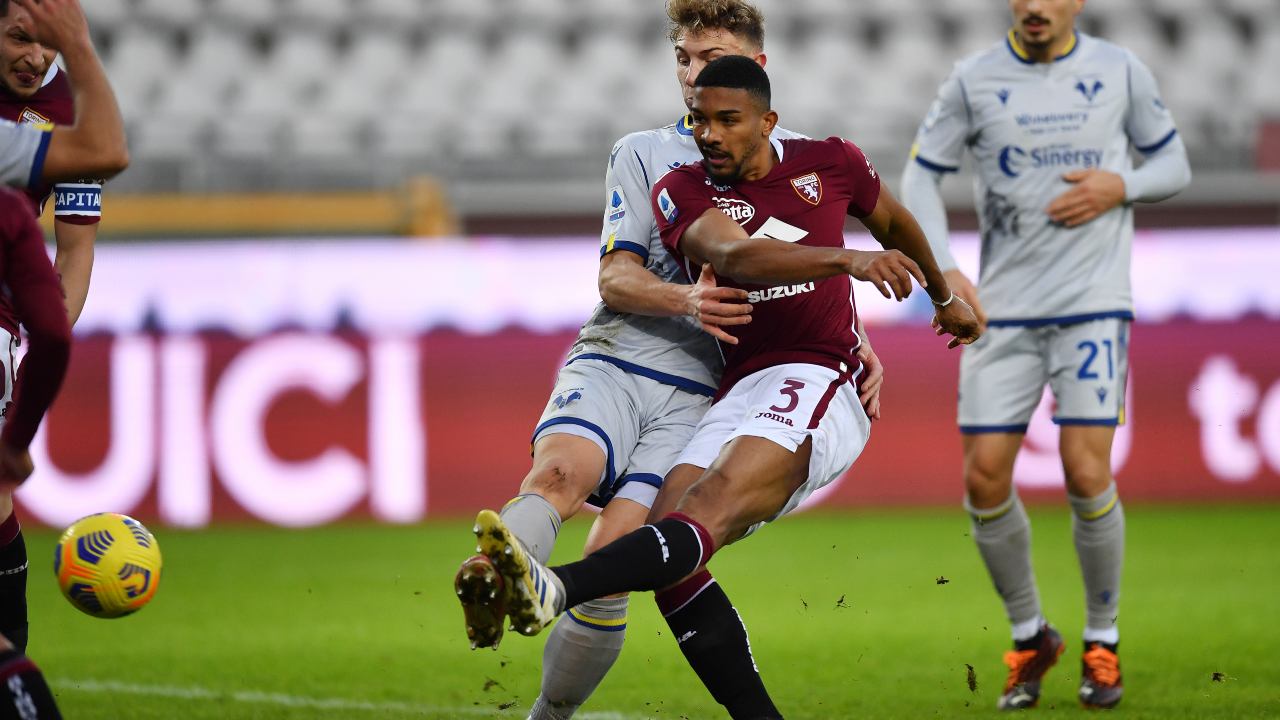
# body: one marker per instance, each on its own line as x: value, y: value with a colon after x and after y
x: 738, y: 17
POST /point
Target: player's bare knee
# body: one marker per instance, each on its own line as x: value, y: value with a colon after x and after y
x: 986, y: 485
x: 562, y: 484
x: 1087, y: 479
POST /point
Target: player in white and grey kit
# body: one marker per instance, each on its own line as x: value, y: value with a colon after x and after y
x: 1050, y: 116
x: 638, y: 379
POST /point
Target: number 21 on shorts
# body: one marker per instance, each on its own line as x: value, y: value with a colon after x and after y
x: 1090, y: 348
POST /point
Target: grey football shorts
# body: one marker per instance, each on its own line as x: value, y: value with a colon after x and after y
x: 640, y: 424
x: 1003, y: 375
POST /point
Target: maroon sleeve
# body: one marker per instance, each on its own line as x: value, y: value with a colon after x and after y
x: 678, y: 199
x: 37, y: 297
x: 78, y: 219
x: 864, y: 182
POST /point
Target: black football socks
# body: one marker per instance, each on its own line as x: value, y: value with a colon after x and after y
x: 13, y: 583
x: 648, y: 558
x: 714, y: 641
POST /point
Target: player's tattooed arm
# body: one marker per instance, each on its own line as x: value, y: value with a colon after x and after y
x: 627, y: 286
x: 894, y: 228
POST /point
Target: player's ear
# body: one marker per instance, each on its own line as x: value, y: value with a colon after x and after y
x: 761, y: 59
x: 770, y: 122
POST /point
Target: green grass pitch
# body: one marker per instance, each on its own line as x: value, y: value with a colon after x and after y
x: 849, y: 616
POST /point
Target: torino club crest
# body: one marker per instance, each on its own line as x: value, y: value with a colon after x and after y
x: 808, y: 187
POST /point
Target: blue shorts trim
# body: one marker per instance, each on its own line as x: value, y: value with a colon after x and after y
x: 606, y: 495
x: 685, y: 384
x: 1062, y: 320
x: 977, y: 429
x: 608, y: 445
x: 646, y: 478
x: 1104, y: 422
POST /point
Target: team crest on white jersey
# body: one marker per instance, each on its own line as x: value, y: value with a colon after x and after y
x: 808, y: 187
x: 1089, y: 88
x: 740, y: 210
x: 31, y: 117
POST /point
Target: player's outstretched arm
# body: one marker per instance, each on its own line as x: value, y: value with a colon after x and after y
x: 716, y: 239
x: 94, y: 146
x: 894, y: 228
x: 922, y: 198
x: 627, y: 286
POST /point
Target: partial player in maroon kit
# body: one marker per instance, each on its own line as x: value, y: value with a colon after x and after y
x: 35, y: 91
x: 803, y: 199
x: 768, y: 217
x: 92, y: 145
x: 29, y: 280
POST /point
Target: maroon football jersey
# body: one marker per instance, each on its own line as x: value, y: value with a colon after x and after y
x: 809, y: 192
x: 27, y: 277
x: 52, y: 104
x: 79, y: 203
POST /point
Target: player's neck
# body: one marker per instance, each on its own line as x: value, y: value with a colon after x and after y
x: 1059, y: 48
x: 761, y: 163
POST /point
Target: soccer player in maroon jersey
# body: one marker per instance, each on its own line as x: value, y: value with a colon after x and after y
x: 93, y: 144
x: 35, y: 91
x: 29, y: 279
x: 787, y: 419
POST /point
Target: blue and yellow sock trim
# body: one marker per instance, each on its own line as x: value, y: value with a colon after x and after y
x: 595, y: 623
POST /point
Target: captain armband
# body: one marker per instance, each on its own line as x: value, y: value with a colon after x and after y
x: 80, y: 198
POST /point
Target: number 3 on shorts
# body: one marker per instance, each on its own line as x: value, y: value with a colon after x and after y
x: 792, y: 390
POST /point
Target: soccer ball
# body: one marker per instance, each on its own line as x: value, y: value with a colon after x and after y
x: 108, y: 565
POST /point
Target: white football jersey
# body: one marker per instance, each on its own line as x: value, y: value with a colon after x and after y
x: 22, y: 149
x: 671, y: 350
x: 1027, y: 124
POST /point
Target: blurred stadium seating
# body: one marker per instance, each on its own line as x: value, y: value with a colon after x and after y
x: 321, y: 94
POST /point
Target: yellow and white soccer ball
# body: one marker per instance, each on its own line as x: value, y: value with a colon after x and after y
x: 108, y: 565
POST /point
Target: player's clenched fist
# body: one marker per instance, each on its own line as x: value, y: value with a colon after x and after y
x: 889, y: 270
x: 58, y: 24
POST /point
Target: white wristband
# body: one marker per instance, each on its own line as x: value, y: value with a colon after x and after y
x: 948, y: 301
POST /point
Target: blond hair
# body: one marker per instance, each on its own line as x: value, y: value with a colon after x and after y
x: 735, y: 17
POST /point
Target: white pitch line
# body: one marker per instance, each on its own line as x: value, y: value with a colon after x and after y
x: 193, y: 692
